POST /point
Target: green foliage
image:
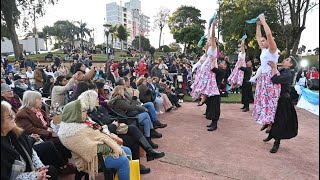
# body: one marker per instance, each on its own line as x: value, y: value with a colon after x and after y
x: 233, y: 27
x: 122, y: 33
x: 145, y: 43
x: 175, y: 47
x: 164, y: 48
x: 186, y: 26
x: 4, y: 31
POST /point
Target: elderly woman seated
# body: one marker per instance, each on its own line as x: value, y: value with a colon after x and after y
x: 85, y: 140
x: 33, y: 120
x: 18, y: 159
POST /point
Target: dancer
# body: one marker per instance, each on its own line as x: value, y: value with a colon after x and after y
x: 285, y: 124
x: 246, y: 88
x: 214, y: 101
x: 206, y: 84
x: 267, y: 93
x: 236, y: 77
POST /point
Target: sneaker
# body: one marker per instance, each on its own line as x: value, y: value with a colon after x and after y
x: 161, y: 112
x: 181, y: 100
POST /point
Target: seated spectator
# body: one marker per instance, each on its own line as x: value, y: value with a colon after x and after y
x: 20, y: 86
x: 180, y: 92
x: 166, y: 105
x: 79, y: 137
x: 39, y: 77
x: 60, y: 90
x: 10, y: 80
x: 18, y: 159
x: 123, y: 106
x: 102, y: 94
x: 131, y: 96
x: 47, y: 86
x: 33, y: 120
x: 132, y: 138
x: 16, y: 69
x: 49, y: 71
x: 313, y: 74
x: 49, y: 57
x: 156, y: 71
x: 8, y: 95
x: 158, y: 100
x: 133, y: 83
x: 62, y: 70
x: 82, y: 75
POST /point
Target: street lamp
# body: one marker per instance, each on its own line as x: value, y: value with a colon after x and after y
x: 304, y: 63
x: 106, y: 33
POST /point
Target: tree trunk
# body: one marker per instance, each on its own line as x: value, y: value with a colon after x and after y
x: 160, y: 37
x: 46, y: 44
x: 184, y: 48
x: 296, y: 42
x: 13, y: 37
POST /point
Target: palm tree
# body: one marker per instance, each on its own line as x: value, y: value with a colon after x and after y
x: 113, y: 32
x: 83, y: 31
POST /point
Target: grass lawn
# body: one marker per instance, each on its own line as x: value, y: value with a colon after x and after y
x: 96, y: 57
x: 232, y: 98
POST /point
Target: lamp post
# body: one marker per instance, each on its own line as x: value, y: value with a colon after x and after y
x: 106, y: 33
x: 35, y: 30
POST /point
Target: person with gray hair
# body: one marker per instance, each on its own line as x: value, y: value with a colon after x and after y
x: 8, y: 95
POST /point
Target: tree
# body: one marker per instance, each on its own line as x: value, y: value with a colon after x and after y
x: 4, y: 32
x: 233, y: 26
x: 184, y: 20
x: 145, y: 43
x: 114, y: 33
x: 161, y: 19
x: 122, y: 34
x: 65, y: 31
x: 175, y: 47
x: 82, y: 30
x: 293, y: 15
x: 11, y: 14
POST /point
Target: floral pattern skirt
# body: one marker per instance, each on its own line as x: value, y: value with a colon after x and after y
x: 236, y: 76
x: 205, y: 82
x: 266, y: 99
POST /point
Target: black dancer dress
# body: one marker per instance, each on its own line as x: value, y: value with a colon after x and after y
x: 246, y: 88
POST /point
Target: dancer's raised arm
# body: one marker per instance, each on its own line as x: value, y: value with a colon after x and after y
x: 258, y: 34
x: 272, y: 44
x: 213, y: 37
x: 243, y: 50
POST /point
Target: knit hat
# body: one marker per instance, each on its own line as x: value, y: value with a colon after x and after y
x: 72, y: 112
x: 5, y: 88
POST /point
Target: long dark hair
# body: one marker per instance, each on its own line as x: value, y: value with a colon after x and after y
x: 82, y: 87
x: 58, y: 80
x: 77, y: 68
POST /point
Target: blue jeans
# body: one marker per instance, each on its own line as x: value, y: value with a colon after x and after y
x: 121, y: 164
x: 151, y: 111
x: 144, y: 119
x: 157, y: 103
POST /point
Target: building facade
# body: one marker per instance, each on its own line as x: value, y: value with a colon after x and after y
x: 131, y: 17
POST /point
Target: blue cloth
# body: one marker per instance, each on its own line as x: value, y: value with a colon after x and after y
x: 211, y: 20
x: 201, y: 41
x: 252, y: 21
x: 243, y: 37
x: 121, y: 164
x: 310, y: 96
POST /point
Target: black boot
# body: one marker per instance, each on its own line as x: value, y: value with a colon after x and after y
x: 209, y: 125
x: 151, y: 153
x: 268, y: 138
x: 275, y: 146
x: 213, y: 126
x: 158, y: 124
x: 152, y: 144
x: 155, y: 134
x: 246, y: 108
x: 144, y: 170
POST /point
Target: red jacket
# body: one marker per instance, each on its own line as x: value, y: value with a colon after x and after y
x: 143, y: 68
x: 313, y: 75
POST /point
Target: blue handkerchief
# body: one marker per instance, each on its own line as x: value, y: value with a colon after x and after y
x: 201, y: 41
x: 243, y: 37
x: 252, y: 21
x: 211, y: 20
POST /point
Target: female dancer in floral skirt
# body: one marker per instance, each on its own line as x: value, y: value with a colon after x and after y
x: 267, y: 93
x: 206, y: 84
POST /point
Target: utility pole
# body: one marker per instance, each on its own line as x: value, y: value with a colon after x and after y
x: 140, y: 29
x: 35, y: 29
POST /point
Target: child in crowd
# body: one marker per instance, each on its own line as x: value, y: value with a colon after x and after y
x: 180, y: 93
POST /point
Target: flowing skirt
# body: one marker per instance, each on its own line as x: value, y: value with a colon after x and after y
x: 205, y: 82
x: 285, y: 124
x: 236, y: 76
x: 266, y: 99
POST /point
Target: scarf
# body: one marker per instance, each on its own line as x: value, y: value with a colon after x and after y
x: 83, y: 142
x: 40, y: 116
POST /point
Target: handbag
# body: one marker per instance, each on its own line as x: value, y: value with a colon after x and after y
x: 122, y: 129
x: 134, y: 170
